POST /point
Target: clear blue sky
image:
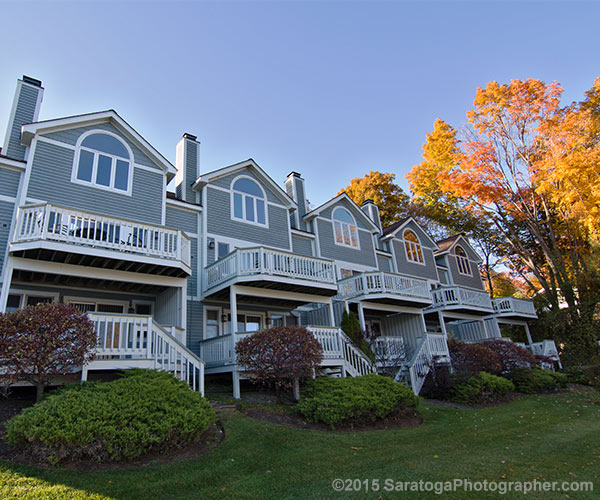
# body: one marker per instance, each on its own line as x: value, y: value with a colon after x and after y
x: 329, y: 89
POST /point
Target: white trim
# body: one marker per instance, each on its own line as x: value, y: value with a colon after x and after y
x: 464, y: 260
x: 303, y: 234
x: 342, y: 196
x: 29, y: 130
x: 163, y: 208
x: 281, y: 294
x: 15, y: 165
x: 205, y: 309
x: 11, y: 116
x: 433, y: 246
x: 54, y: 142
x: 113, y: 168
x: 25, y: 294
x: 183, y: 205
x: 255, y: 199
x: 7, y: 199
x: 250, y: 163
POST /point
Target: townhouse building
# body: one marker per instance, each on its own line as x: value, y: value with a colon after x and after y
x: 173, y: 279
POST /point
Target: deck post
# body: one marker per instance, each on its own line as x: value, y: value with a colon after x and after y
x: 8, y: 271
x: 331, y: 313
x: 84, y: 373
x: 528, y: 333
x: 235, y: 378
x: 361, y: 317
x: 442, y: 323
x: 233, y: 322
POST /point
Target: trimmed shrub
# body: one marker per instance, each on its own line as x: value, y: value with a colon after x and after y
x: 482, y: 388
x: 141, y: 412
x: 578, y: 375
x: 348, y: 401
x: 470, y: 359
x: 592, y: 374
x: 531, y: 381
x: 511, y: 356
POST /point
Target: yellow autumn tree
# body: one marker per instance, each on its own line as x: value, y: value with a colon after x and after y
x: 385, y: 193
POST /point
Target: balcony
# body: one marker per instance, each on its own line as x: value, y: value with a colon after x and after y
x: 49, y: 232
x: 386, y: 288
x: 268, y: 268
x: 511, y: 307
x: 461, y: 300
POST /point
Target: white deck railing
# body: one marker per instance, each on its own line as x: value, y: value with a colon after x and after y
x: 126, y: 337
x: 381, y: 282
x: 389, y: 351
x: 545, y: 348
x: 460, y: 296
x: 438, y: 345
x: 419, y: 366
x: 336, y: 345
x: 512, y: 305
x: 48, y: 222
x: 261, y: 260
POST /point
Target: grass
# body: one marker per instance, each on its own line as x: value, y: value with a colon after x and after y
x: 544, y: 437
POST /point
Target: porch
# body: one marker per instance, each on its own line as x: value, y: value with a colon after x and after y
x: 263, y: 267
x: 384, y: 287
x: 65, y: 236
x: 511, y: 307
x: 460, y: 299
x: 137, y: 341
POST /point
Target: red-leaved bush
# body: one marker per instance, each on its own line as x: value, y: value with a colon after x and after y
x: 511, y: 356
x: 40, y: 343
x: 280, y: 356
x: 470, y: 359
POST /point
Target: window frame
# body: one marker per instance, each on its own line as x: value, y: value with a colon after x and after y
x: 344, y: 224
x: 254, y: 203
x: 463, y: 261
x: 24, y: 295
x: 220, y: 324
x: 113, y: 169
x: 416, y: 248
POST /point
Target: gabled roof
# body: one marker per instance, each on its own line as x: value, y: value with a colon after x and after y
x: 447, y: 244
x: 392, y: 230
x: 30, y: 129
x: 342, y: 196
x: 258, y: 171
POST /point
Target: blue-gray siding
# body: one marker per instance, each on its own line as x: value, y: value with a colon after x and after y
x: 195, y: 312
x: 384, y: 263
x: 192, y: 285
x: 302, y: 246
x: 429, y: 270
x: 51, y: 181
x: 71, y: 136
x: 225, y: 182
x: 191, y: 168
x: 364, y: 256
x: 473, y: 281
x: 9, y: 182
x: 184, y: 220
x: 356, y: 212
x: 24, y: 113
x: 408, y: 326
x: 219, y: 222
x: 6, y: 214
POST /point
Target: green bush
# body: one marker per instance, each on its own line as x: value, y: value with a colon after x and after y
x: 481, y: 388
x: 538, y: 380
x: 348, y: 401
x: 143, y: 411
x: 577, y: 375
x: 592, y: 374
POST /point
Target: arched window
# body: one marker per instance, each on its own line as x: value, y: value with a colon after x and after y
x: 104, y: 161
x: 464, y: 267
x: 344, y: 228
x: 412, y: 245
x: 248, y: 201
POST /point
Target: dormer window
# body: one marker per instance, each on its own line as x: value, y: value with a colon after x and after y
x: 344, y: 227
x: 248, y: 201
x: 104, y: 161
x: 462, y: 261
x: 412, y: 245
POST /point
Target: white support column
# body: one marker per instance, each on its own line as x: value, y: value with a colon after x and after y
x: 528, y: 334
x: 347, y: 307
x: 84, y: 373
x: 442, y: 323
x: 8, y: 271
x: 361, y: 317
x: 235, y: 377
x: 331, y: 313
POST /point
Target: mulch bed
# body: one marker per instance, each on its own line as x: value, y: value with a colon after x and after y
x: 407, y: 418
x: 10, y: 407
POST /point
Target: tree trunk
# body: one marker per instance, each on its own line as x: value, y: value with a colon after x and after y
x: 39, y: 391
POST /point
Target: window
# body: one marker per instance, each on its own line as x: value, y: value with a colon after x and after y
x: 104, y: 161
x: 344, y: 228
x: 345, y: 273
x: 16, y: 301
x: 248, y: 201
x: 412, y: 245
x: 222, y: 250
x: 464, y: 266
x: 246, y: 323
x: 212, y: 324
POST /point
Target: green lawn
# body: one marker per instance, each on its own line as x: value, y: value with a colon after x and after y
x: 547, y: 437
